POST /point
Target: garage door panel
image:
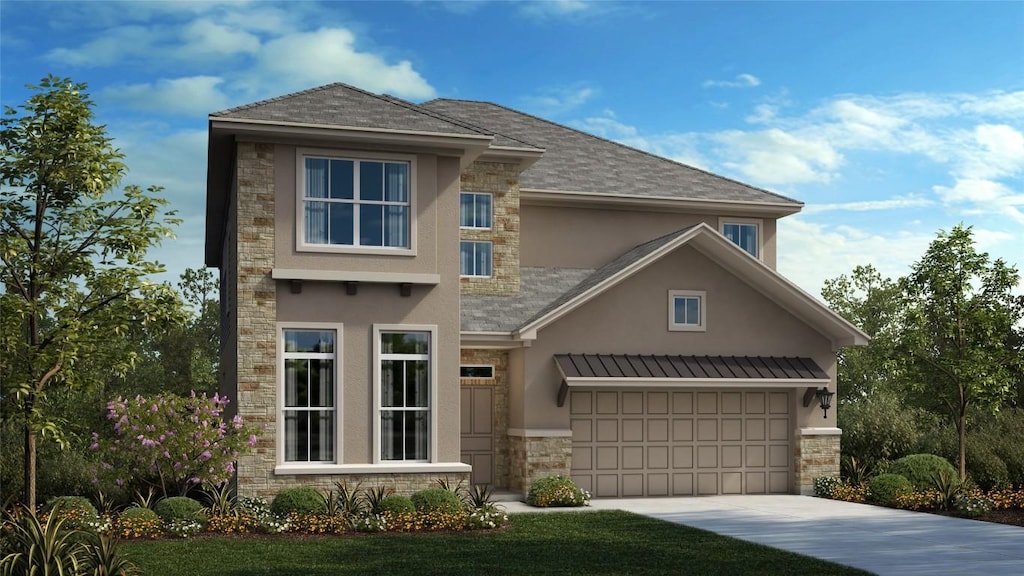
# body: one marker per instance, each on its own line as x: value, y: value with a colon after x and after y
x: 681, y: 442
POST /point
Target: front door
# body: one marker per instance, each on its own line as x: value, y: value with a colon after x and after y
x: 478, y: 432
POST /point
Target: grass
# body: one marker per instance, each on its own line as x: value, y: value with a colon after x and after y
x: 605, y: 542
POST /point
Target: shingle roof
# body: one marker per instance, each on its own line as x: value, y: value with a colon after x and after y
x: 343, y: 105
x: 579, y: 162
x: 537, y: 288
x: 689, y: 367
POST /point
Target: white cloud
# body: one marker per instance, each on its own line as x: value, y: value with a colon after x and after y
x: 869, y: 205
x: 205, y: 38
x: 559, y: 101
x: 680, y: 147
x: 194, y: 96
x: 112, y: 47
x: 741, y: 81
x: 984, y: 196
x: 555, y: 8
x: 328, y: 55
x: 990, y: 151
x: 775, y: 156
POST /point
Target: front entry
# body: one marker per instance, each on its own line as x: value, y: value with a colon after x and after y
x: 478, y: 432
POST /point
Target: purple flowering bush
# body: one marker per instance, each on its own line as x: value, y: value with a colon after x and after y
x: 171, y: 442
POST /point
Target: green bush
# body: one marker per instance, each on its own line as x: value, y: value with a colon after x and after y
x: 298, y: 499
x: 397, y: 504
x: 178, y: 508
x: 921, y: 469
x: 73, y: 504
x: 436, y: 499
x: 825, y: 486
x: 1006, y: 437
x: 556, y: 491
x: 878, y: 428
x: 884, y: 488
x: 137, y: 522
x: 983, y: 465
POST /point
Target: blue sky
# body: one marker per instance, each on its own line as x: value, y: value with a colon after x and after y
x: 889, y: 120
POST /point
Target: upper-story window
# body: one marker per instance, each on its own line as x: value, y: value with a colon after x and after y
x: 745, y: 233
x: 474, y: 258
x: 686, y: 311
x: 356, y: 202
x: 475, y: 210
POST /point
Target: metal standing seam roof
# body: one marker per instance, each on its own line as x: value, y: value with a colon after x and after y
x: 611, y: 366
x: 576, y: 161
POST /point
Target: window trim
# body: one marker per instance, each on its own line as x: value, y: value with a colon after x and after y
x: 339, y: 445
x: 490, y: 212
x: 489, y: 243
x: 432, y: 452
x: 757, y: 222
x: 701, y: 296
x: 491, y: 366
x: 336, y: 154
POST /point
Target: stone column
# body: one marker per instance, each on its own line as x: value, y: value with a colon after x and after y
x: 817, y: 454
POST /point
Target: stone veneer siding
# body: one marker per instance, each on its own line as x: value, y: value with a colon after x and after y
x: 532, y: 457
x: 498, y: 359
x: 816, y: 456
x: 502, y: 182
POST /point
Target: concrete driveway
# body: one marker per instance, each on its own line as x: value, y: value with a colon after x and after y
x: 880, y: 540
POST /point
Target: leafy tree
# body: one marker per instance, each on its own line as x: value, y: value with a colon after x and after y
x: 74, y: 272
x: 961, y: 315
x: 874, y: 304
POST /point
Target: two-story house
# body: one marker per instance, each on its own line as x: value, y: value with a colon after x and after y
x: 458, y: 289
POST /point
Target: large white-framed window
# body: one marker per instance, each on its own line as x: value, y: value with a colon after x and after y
x: 309, y: 402
x: 404, y: 393
x: 475, y: 258
x: 352, y: 202
x: 475, y: 210
x: 687, y: 311
x: 744, y: 232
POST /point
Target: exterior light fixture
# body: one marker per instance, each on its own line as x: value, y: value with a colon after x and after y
x: 824, y: 399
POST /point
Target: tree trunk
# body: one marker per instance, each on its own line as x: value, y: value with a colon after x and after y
x: 961, y: 426
x: 30, y: 456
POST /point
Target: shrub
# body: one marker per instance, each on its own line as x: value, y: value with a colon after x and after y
x: 178, y: 508
x: 986, y: 468
x: 921, y: 469
x: 825, y: 486
x: 918, y: 500
x: 486, y: 518
x: 397, y: 504
x: 297, y: 499
x: 880, y: 427
x: 885, y: 488
x: 436, y: 499
x: 849, y: 493
x: 556, y: 491
x: 76, y: 511
x: 137, y: 522
x: 973, y: 504
x: 1008, y: 442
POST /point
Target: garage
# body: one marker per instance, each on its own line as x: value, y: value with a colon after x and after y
x: 637, y: 430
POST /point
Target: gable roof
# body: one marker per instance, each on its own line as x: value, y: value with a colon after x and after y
x: 576, y: 161
x: 701, y: 237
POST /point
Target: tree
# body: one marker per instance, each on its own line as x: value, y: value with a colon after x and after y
x: 961, y: 315
x: 74, y: 273
x: 872, y: 303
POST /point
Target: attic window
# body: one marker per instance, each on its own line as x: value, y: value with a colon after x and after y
x: 686, y: 311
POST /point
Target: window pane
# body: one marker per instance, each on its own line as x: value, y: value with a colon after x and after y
x: 679, y: 310
x: 391, y: 425
x: 315, y: 224
x: 466, y: 210
x: 296, y: 436
x: 321, y: 436
x: 416, y: 436
x: 483, y: 210
x: 396, y: 182
x: 371, y: 180
x: 405, y: 342
x: 316, y: 178
x: 295, y: 378
x: 743, y: 235
x: 341, y: 224
x: 321, y: 341
x: 396, y: 226
x: 466, y: 258
x: 693, y: 311
x: 476, y: 371
x: 370, y: 225
x: 483, y: 259
x: 391, y: 383
x: 416, y: 383
x: 342, y: 179
x: 321, y: 383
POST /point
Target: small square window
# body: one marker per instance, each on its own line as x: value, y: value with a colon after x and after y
x: 476, y: 371
x: 475, y: 259
x: 475, y: 210
x: 686, y: 311
x: 744, y: 233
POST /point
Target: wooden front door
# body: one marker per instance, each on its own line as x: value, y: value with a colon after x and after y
x: 478, y: 432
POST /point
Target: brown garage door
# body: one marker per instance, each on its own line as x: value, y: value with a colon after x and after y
x: 681, y: 442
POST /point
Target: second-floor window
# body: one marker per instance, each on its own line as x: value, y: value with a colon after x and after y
x: 475, y: 258
x: 745, y: 234
x: 356, y: 202
x: 475, y: 210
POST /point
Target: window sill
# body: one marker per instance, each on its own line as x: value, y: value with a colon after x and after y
x: 383, y: 468
x: 678, y: 328
x: 343, y: 249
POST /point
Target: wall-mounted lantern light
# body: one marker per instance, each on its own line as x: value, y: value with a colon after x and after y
x: 822, y: 395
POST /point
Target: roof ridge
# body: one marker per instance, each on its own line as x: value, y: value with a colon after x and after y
x: 427, y: 112
x: 621, y: 145
x: 475, y: 126
x: 277, y: 98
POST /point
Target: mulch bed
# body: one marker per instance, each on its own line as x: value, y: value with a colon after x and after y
x: 1013, y: 517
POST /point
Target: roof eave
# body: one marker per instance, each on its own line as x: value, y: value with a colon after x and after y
x: 352, y: 133
x: 524, y: 157
x: 571, y: 198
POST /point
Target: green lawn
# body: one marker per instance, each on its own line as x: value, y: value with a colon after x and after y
x: 561, y: 543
